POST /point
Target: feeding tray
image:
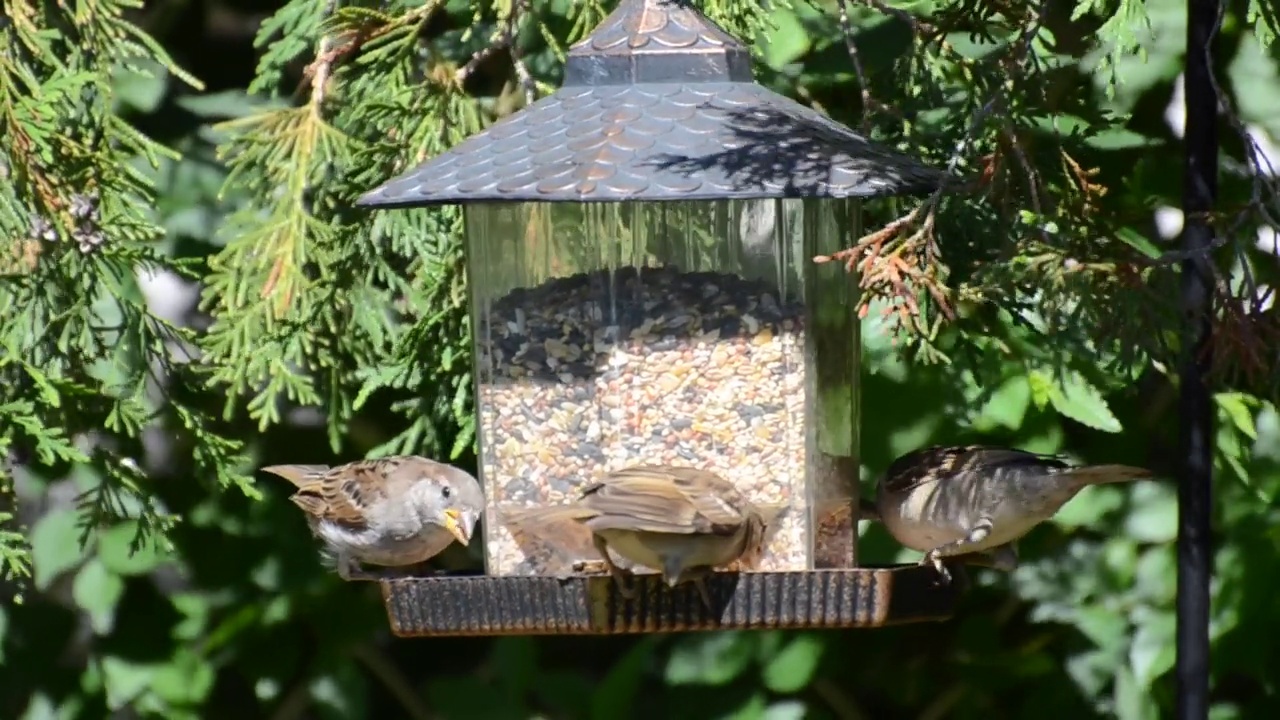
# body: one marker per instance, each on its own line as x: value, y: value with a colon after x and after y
x: 864, y: 597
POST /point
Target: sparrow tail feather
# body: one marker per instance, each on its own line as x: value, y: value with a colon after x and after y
x: 1104, y: 474
x: 296, y: 474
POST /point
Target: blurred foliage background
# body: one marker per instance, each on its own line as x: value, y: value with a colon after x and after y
x: 187, y: 294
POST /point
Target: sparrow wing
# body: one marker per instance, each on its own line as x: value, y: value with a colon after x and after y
x: 715, y: 499
x: 660, y: 499
x: 941, y: 463
x: 343, y: 494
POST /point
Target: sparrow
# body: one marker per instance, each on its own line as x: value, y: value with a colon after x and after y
x: 1003, y: 557
x: 392, y: 511
x: 681, y: 521
x: 977, y: 501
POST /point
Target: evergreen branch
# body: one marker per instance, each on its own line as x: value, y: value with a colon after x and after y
x: 864, y: 88
x: 504, y: 38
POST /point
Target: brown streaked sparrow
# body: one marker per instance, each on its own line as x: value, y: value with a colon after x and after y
x: 1003, y: 557
x: 681, y: 521
x: 977, y: 501
x: 391, y: 511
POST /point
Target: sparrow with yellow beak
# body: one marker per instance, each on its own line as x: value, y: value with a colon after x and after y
x: 978, y: 501
x: 681, y: 521
x: 391, y: 511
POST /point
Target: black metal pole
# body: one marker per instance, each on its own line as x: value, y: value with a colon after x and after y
x: 1195, y: 481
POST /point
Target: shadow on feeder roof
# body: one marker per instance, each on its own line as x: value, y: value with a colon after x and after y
x: 659, y: 104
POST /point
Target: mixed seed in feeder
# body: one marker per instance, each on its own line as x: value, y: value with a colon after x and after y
x: 595, y: 372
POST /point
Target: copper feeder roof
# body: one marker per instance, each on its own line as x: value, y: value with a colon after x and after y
x: 659, y: 104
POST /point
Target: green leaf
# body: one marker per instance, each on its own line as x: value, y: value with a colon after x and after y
x: 97, y: 590
x: 1236, y: 407
x: 1104, y: 627
x: 124, y: 680
x: 48, y: 392
x: 1223, y: 711
x: 1133, y: 702
x: 1253, y: 67
x: 788, y: 41
x: 1041, y: 385
x: 1089, y: 507
x: 143, y: 88
x: 186, y: 680
x: 1009, y: 403
x: 793, y: 666
x: 515, y: 662
x: 1139, y: 242
x: 711, y: 659
x: 753, y: 708
x: 1156, y: 575
x: 1152, y: 652
x: 42, y: 708
x: 116, y: 548
x: 55, y: 546
x: 1154, y: 517
x: 1120, y: 139
x: 786, y: 710
x: 1073, y: 396
x: 616, y: 693
x: 462, y: 697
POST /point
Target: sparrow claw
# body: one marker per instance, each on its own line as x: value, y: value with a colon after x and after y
x: 624, y: 579
x: 697, y: 576
x: 349, y: 569
x: 590, y: 567
x: 364, y: 576
x: 934, y: 559
x: 620, y: 575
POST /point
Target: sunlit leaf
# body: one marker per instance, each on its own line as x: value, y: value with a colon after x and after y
x: 788, y: 40
x: 1237, y: 408
x: 116, y: 548
x: 709, y: 659
x: 1075, y: 397
x: 791, y: 668
x: 1009, y: 403
x: 97, y: 590
x: 125, y: 680
x: 1152, y: 652
x: 1089, y: 507
x: 55, y: 546
x: 1154, y: 515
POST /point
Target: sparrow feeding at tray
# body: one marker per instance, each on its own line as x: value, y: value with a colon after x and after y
x: 391, y: 511
x: 1002, y: 557
x: 681, y: 521
x: 978, y: 501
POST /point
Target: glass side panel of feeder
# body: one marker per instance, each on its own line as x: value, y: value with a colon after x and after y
x: 833, y: 382
x: 614, y: 334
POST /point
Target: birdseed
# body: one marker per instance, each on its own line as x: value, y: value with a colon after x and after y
x: 595, y: 372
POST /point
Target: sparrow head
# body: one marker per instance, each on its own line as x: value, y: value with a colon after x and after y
x: 451, y: 499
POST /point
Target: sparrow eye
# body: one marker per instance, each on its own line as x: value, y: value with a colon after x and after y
x: 446, y: 491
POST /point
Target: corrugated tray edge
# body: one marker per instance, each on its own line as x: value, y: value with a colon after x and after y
x: 863, y: 597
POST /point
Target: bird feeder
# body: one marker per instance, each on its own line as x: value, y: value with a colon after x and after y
x: 639, y: 249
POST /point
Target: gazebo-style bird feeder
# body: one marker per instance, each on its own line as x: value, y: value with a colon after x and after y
x: 639, y: 247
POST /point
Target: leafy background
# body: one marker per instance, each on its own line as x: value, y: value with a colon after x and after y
x: 187, y: 294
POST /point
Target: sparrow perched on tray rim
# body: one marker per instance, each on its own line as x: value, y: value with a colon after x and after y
x: 973, y: 500
x: 682, y: 521
x: 390, y: 511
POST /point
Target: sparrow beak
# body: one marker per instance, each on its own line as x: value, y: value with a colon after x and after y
x: 457, y: 525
